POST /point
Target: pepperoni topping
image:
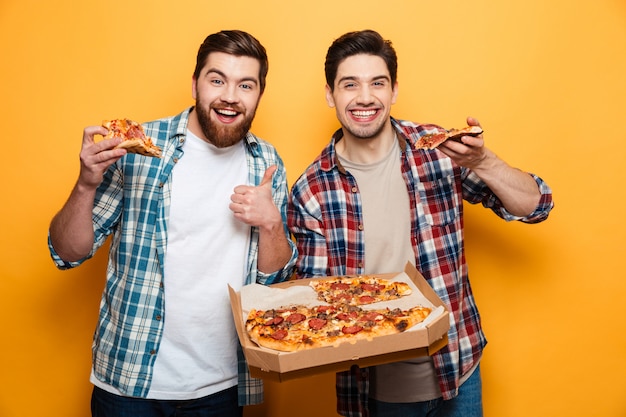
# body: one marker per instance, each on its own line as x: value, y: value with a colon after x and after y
x: 341, y: 286
x: 343, y: 316
x: 274, y: 321
x: 135, y: 132
x: 347, y: 316
x: 279, y: 334
x: 351, y: 329
x: 295, y: 318
x: 370, y: 316
x: 366, y: 299
x: 342, y: 296
x: 316, y: 323
x: 372, y: 287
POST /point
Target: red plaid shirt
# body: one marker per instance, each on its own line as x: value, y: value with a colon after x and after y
x: 325, y: 216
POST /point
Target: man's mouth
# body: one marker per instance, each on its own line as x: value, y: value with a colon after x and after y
x: 226, y: 115
x: 363, y: 114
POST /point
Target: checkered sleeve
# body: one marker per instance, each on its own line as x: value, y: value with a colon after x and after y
x: 305, y: 222
x: 476, y: 191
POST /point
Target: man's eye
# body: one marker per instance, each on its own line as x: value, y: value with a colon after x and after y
x: 217, y: 82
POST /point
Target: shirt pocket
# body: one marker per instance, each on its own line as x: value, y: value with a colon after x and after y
x: 439, y: 201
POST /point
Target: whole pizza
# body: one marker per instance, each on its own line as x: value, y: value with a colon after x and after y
x: 298, y: 327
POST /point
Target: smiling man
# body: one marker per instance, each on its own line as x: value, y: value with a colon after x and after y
x: 371, y: 201
x: 211, y: 212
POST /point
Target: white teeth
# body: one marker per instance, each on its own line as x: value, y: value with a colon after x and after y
x: 226, y: 112
x: 362, y: 113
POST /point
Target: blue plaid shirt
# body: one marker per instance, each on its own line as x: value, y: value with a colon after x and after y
x: 132, y: 204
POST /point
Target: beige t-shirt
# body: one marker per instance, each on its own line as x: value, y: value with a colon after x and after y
x: 387, y: 230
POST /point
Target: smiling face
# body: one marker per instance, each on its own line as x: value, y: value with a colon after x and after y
x: 227, y: 92
x: 362, y: 96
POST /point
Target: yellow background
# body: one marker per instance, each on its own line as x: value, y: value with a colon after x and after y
x: 545, y: 78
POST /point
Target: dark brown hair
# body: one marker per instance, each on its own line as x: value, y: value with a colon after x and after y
x: 366, y: 42
x: 234, y: 42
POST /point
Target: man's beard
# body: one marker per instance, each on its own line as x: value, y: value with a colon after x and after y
x: 223, y: 136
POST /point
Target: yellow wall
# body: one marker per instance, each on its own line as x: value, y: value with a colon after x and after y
x: 545, y: 78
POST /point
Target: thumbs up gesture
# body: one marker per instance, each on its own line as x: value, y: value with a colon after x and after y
x: 254, y: 205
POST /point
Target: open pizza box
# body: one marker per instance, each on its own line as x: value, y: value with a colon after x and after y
x: 420, y: 340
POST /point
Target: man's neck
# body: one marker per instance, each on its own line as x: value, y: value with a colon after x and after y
x: 366, y: 150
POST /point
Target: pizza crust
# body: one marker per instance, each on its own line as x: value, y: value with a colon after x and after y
x: 139, y: 146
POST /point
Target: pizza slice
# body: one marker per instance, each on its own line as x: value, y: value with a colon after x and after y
x: 432, y: 140
x: 133, y: 135
x: 299, y: 327
x: 359, y: 290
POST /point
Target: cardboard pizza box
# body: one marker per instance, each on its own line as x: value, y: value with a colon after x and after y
x: 282, y: 366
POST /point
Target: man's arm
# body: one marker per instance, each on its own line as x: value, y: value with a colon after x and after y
x: 255, y: 207
x: 71, y: 229
x: 517, y: 190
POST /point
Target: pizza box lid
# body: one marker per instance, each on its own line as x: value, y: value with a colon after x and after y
x: 282, y: 366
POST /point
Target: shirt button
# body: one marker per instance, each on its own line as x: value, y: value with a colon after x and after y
x: 175, y: 160
x: 354, y: 189
x: 360, y: 264
x: 360, y: 227
x: 152, y: 352
x: 158, y: 317
x: 161, y: 184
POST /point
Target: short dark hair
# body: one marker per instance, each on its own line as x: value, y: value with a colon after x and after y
x: 234, y: 42
x: 367, y: 42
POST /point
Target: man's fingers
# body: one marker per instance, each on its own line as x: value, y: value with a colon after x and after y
x: 91, y: 131
x: 472, y: 121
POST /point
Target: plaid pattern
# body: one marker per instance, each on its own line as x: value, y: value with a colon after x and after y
x: 325, y: 217
x: 132, y: 205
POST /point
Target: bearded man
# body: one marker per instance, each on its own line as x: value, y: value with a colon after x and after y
x: 211, y: 212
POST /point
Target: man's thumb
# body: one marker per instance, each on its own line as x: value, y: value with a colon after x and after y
x: 269, y: 173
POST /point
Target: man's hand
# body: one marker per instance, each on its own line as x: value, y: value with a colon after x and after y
x: 254, y: 205
x: 71, y: 230
x: 517, y: 190
x: 95, y: 158
x: 471, y: 152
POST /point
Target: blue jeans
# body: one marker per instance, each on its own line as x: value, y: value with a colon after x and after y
x: 467, y: 404
x: 223, y: 403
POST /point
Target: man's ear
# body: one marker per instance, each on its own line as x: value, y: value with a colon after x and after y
x: 394, y: 97
x: 329, y: 97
